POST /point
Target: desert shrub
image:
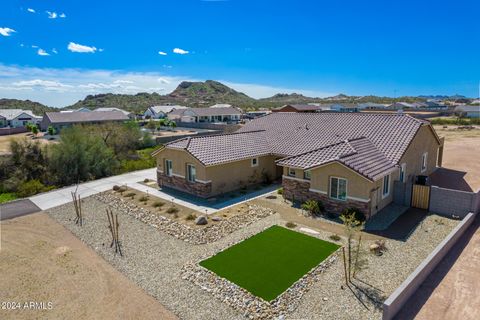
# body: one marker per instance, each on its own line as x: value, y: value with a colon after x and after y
x: 280, y: 191
x: 143, y: 199
x: 358, y: 215
x: 6, y: 197
x: 290, y: 225
x: 116, y: 188
x: 191, y: 217
x: 335, y: 237
x: 146, y: 180
x: 158, y: 204
x: 172, y: 210
x: 313, y: 207
x: 32, y: 187
x: 130, y: 195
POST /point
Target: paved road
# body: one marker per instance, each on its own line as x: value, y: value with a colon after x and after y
x: 452, y: 290
x: 17, y: 208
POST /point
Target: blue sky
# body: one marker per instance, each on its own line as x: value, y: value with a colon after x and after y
x: 56, y: 52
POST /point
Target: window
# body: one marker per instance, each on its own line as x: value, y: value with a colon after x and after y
x: 291, y: 172
x: 403, y: 169
x: 338, y: 188
x: 386, y: 186
x: 424, y: 162
x: 254, y: 162
x: 168, y: 168
x: 191, y: 173
x: 307, y: 174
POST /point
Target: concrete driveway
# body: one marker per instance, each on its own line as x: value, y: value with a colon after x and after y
x: 17, y: 208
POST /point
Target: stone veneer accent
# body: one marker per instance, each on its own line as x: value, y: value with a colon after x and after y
x: 203, y: 190
x: 301, y: 191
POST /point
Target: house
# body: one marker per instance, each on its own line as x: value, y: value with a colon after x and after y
x: 82, y: 109
x: 60, y: 120
x: 130, y: 115
x: 160, y: 112
x: 344, y: 107
x: 400, y: 105
x: 468, y: 111
x: 220, y: 114
x: 15, y: 118
x: 256, y: 114
x: 221, y: 105
x: 345, y: 160
x: 371, y: 106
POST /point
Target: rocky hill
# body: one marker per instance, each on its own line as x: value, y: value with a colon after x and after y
x: 37, y: 108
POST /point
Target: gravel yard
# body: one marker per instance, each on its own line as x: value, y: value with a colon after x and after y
x: 154, y: 260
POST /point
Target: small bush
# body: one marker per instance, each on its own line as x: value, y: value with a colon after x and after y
x: 191, y: 217
x: 130, y: 195
x: 116, y: 188
x: 280, y: 191
x: 158, y: 204
x: 31, y: 187
x: 290, y: 225
x: 313, y: 207
x: 146, y: 180
x: 172, y: 210
x: 359, y: 215
x: 143, y: 199
x: 335, y: 237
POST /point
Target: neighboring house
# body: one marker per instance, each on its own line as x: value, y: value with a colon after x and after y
x: 256, y: 114
x: 82, y: 109
x: 220, y: 114
x: 160, y: 112
x: 302, y: 108
x: 15, y: 118
x: 468, y: 111
x: 371, y: 106
x: 400, y: 105
x: 344, y: 107
x: 344, y: 160
x: 3, y: 121
x: 221, y: 105
x: 60, y: 120
x: 127, y: 113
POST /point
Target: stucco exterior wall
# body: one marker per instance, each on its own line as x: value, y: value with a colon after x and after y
x: 180, y: 159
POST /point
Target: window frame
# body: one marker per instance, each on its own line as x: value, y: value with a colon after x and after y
x: 330, y: 194
x: 388, y: 178
x: 424, y: 163
x: 307, y: 176
x: 168, y: 172
x: 290, y: 172
x: 252, y: 162
x: 189, y: 174
x: 403, y: 171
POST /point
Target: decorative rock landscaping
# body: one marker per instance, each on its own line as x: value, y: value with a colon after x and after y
x: 207, y: 234
x: 243, y: 301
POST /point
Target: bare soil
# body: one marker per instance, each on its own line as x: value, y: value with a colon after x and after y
x: 41, y: 261
x: 461, y: 151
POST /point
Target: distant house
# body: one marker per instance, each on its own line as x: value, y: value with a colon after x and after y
x: 468, y: 111
x: 303, y: 108
x: 221, y: 105
x: 16, y: 118
x: 160, y: 112
x: 256, y: 114
x: 371, y: 106
x: 344, y: 107
x: 400, y: 105
x: 60, y: 120
x: 82, y: 109
x: 127, y: 113
x: 220, y: 114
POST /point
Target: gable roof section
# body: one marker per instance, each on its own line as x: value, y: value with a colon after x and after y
x: 205, y: 112
x: 79, y: 117
x: 103, y: 109
x: 11, y: 114
x: 166, y: 109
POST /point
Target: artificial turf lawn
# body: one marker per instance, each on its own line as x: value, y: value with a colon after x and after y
x: 271, y: 261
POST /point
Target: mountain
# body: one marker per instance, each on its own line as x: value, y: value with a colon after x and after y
x: 37, y: 108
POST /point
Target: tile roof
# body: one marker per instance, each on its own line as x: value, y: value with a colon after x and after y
x: 203, y: 112
x: 370, y: 144
x: 166, y: 109
x: 78, y: 117
x: 11, y: 114
x: 113, y: 109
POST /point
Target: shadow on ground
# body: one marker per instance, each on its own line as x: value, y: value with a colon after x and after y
x: 450, y: 179
x: 403, y: 226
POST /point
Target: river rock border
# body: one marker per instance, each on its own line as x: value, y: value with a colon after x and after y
x: 181, y: 231
x: 245, y: 302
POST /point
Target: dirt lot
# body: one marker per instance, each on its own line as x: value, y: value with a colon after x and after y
x: 41, y: 261
x: 5, y: 141
x: 462, y: 148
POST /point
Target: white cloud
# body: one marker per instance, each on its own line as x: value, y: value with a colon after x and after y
x: 180, y: 51
x: 52, y: 15
x: 163, y: 80
x: 75, y: 47
x: 34, y: 46
x: 41, y: 83
x: 54, y: 51
x: 123, y: 81
x: 31, y: 10
x: 6, y: 32
x: 162, y: 53
x: 42, y: 52
x: 62, y: 15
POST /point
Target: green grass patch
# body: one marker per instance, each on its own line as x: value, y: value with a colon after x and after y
x: 6, y: 197
x: 268, y: 263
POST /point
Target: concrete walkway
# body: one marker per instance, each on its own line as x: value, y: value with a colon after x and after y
x: 58, y: 197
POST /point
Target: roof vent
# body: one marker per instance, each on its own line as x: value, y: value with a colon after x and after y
x: 306, y: 126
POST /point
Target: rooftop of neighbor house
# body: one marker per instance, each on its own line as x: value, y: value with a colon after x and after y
x: 103, y: 109
x: 468, y: 108
x: 167, y: 108
x: 370, y: 144
x: 10, y: 114
x: 203, y: 112
x: 67, y: 117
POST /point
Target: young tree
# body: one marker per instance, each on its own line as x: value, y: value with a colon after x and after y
x: 352, y: 226
x: 151, y: 125
x: 51, y: 130
x: 35, y: 130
